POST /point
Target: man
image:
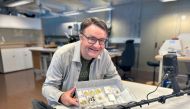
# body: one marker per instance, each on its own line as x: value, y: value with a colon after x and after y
x: 83, y: 60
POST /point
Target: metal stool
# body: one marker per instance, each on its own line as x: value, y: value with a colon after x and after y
x: 154, y: 65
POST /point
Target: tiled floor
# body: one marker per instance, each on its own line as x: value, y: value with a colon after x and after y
x: 18, y: 89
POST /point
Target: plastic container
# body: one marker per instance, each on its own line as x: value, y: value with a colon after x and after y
x: 99, y: 94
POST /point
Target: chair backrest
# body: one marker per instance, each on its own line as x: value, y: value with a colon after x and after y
x: 128, y: 55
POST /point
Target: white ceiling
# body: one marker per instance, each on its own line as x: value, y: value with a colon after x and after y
x: 55, y: 7
x: 69, y: 5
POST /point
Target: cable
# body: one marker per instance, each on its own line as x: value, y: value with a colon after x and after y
x: 145, y: 101
x: 163, y: 78
x: 123, y: 107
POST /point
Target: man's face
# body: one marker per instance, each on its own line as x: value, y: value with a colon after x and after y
x: 90, y: 46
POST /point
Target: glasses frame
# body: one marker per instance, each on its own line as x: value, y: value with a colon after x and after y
x: 93, y: 40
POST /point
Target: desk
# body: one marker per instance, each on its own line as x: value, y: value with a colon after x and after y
x: 160, y: 58
x: 115, y: 53
x: 40, y: 57
x: 141, y: 90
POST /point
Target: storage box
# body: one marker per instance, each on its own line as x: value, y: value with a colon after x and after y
x: 107, y: 93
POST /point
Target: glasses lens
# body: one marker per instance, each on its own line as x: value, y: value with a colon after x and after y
x: 102, y: 42
x: 92, y: 40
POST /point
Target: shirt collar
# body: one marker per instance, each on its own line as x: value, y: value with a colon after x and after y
x: 76, y: 56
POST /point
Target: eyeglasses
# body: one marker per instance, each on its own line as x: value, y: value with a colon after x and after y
x: 93, y: 40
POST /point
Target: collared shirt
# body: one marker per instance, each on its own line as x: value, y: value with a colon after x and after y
x: 65, y: 67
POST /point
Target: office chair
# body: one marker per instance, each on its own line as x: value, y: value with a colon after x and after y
x: 127, y: 60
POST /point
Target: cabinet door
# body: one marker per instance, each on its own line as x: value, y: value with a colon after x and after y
x: 16, y: 59
x: 20, y: 58
x: 24, y: 58
x: 9, y: 60
x: 28, y: 58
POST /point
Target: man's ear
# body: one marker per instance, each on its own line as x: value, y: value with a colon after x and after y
x: 80, y: 36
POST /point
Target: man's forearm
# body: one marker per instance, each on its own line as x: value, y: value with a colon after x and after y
x: 51, y: 93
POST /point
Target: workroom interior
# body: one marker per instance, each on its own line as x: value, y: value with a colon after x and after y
x: 30, y: 33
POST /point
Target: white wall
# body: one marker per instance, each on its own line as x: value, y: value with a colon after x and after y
x: 19, y: 22
x: 152, y: 23
x: 161, y: 21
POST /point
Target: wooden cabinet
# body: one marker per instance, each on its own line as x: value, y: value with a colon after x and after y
x: 14, y: 59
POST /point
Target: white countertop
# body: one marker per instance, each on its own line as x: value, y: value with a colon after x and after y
x: 43, y: 49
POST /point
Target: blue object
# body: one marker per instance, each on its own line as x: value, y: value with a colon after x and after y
x: 167, y: 83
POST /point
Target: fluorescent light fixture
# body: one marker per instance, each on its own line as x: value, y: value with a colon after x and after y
x: 71, y: 13
x: 167, y: 0
x: 19, y: 3
x: 93, y: 10
x: 183, y: 17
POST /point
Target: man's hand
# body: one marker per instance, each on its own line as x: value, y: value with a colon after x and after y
x: 67, y: 99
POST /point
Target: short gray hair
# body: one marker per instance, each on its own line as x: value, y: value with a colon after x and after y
x: 93, y: 20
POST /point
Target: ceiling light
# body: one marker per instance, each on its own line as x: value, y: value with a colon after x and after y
x: 92, y: 10
x: 71, y: 13
x: 167, y: 0
x: 183, y: 17
x: 18, y: 3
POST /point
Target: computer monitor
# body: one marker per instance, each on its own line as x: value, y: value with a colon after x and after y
x: 171, y: 46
